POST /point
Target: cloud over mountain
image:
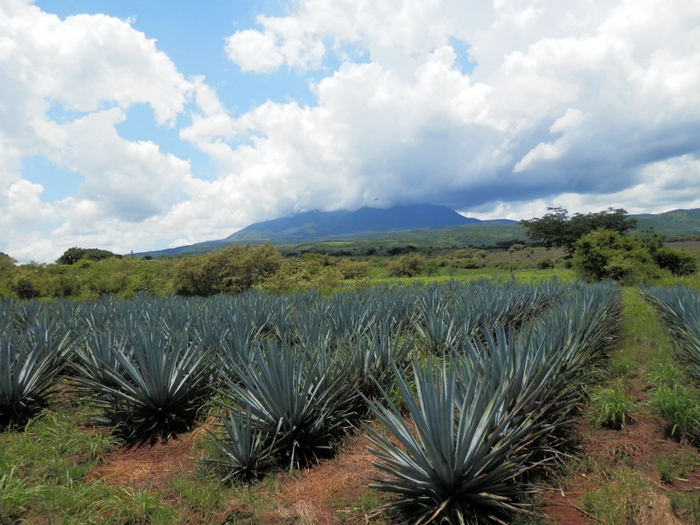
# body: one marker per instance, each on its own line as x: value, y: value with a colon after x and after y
x: 497, y: 108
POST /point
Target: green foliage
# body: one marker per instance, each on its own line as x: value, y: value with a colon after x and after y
x: 677, y: 261
x: 352, y: 269
x: 6, y: 262
x: 663, y: 373
x: 556, y: 228
x: 42, y: 469
x: 432, y: 267
x: 25, y: 288
x: 686, y: 507
x: 545, y: 264
x: 623, y: 499
x: 606, y: 254
x: 73, y: 255
x: 408, y: 265
x: 295, y: 276
x: 611, y: 407
x: 231, y: 270
x: 673, y: 467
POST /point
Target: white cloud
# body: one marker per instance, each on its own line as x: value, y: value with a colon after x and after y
x: 619, y: 82
x: 89, y: 69
x: 585, y: 105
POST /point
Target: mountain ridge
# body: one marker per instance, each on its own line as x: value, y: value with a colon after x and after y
x: 317, y: 224
x: 402, y: 220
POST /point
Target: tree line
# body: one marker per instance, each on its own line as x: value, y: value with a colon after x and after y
x: 600, y: 246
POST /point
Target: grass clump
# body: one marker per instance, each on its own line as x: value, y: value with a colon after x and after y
x: 625, y: 499
x: 686, y: 507
x: 664, y: 373
x: 675, y: 467
x: 611, y: 407
x: 680, y: 408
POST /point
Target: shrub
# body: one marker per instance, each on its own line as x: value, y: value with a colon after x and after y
x: 231, y: 270
x: 677, y: 261
x: 432, y: 267
x: 25, y: 288
x: 408, y: 265
x: 352, y: 269
x: 605, y: 254
x: 545, y: 264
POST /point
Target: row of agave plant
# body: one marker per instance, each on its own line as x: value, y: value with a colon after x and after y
x: 679, y: 308
x: 489, y: 412
x: 149, y: 363
x: 472, y: 405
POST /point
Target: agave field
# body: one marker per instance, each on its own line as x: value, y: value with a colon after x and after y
x: 679, y: 307
x: 679, y: 310
x: 470, y: 387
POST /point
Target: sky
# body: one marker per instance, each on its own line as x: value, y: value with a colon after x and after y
x: 134, y: 125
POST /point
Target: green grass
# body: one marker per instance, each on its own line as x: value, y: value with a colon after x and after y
x: 664, y: 373
x: 675, y: 467
x: 643, y: 338
x: 42, y: 479
x: 494, y: 274
x: 686, y: 507
x: 611, y: 407
x: 680, y: 408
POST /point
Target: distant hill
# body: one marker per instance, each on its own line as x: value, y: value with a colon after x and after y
x: 320, y: 225
x: 315, y: 226
x: 671, y: 223
x: 424, y: 225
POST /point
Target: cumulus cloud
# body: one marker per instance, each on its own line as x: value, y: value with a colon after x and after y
x: 564, y: 99
x: 585, y: 105
x: 88, y: 70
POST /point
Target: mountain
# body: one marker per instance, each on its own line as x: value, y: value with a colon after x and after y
x: 671, y: 223
x: 422, y: 224
x: 343, y: 224
x: 320, y: 225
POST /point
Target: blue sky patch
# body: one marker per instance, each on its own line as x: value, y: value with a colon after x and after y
x: 461, y: 49
x: 58, y: 183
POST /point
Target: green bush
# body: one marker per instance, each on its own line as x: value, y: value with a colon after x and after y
x: 605, y: 254
x: 545, y: 264
x: 26, y: 288
x: 408, y: 265
x: 680, y: 409
x: 677, y: 261
x: 352, y: 269
x: 231, y: 270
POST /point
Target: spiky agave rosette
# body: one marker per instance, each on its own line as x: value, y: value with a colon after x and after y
x: 31, y: 358
x: 150, y: 383
x: 298, y: 397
